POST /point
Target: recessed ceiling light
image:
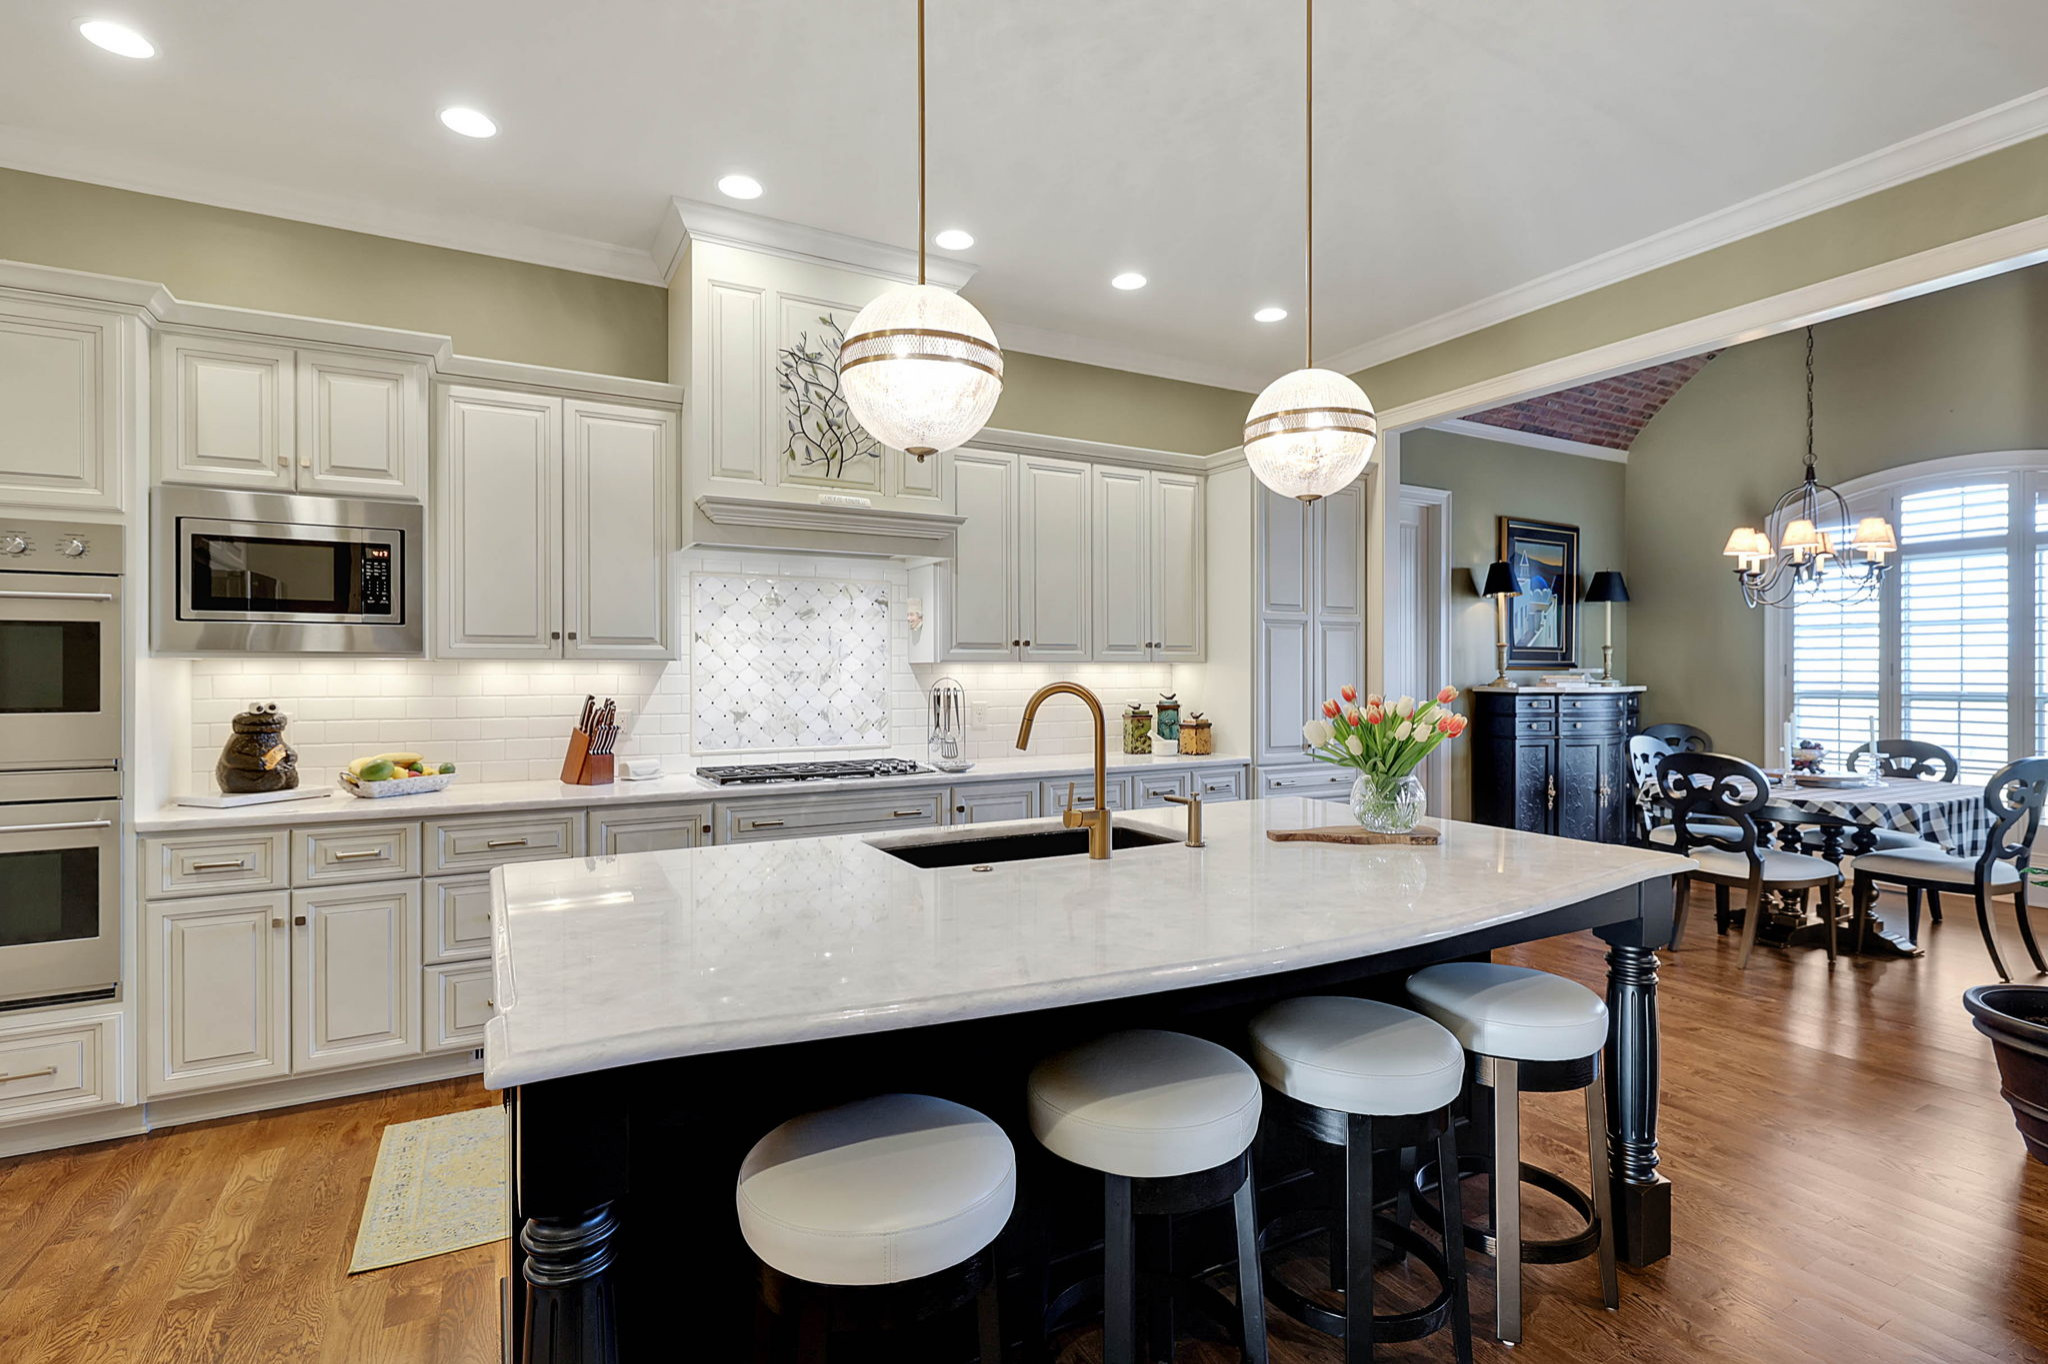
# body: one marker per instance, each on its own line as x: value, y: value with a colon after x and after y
x: 1129, y: 279
x: 953, y: 239
x: 118, y: 39
x: 1270, y: 315
x: 469, y: 122
x: 740, y: 187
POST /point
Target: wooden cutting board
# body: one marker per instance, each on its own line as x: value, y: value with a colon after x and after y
x: 1420, y: 835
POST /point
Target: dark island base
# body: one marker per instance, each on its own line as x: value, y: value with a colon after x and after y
x: 624, y: 1207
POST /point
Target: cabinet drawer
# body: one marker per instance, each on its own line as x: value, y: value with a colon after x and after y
x: 458, y: 917
x: 60, y: 1067
x: 457, y: 845
x: 1215, y: 786
x: 1535, y: 728
x: 457, y: 1002
x: 1543, y: 704
x: 354, y: 852
x: 194, y: 864
x: 1318, y: 783
x: 822, y: 816
x: 1116, y: 793
x: 1149, y: 791
x: 648, y: 828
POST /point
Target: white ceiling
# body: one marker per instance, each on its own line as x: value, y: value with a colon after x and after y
x: 1465, y: 148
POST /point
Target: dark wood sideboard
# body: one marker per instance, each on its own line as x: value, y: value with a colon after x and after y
x: 1553, y: 762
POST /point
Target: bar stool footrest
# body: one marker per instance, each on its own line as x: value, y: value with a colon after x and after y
x: 1558, y: 1250
x: 1389, y: 1328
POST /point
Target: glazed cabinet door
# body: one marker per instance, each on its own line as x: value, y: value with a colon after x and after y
x: 1338, y: 522
x: 224, y: 412
x: 362, y: 425
x: 981, y: 603
x: 1054, y: 573
x: 1178, y: 568
x: 217, y: 987
x: 619, y: 531
x: 355, y: 974
x: 1123, y: 555
x: 61, y: 385
x: 498, y: 513
x: 994, y: 801
x: 649, y: 828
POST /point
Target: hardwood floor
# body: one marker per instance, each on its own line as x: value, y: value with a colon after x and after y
x: 1850, y: 1188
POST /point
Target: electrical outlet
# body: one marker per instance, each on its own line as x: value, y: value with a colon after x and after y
x: 977, y: 714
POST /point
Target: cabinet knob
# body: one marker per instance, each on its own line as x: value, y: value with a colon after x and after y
x: 299, y: 920
x: 1015, y: 642
x: 284, y: 461
x: 277, y: 923
x: 305, y: 464
x: 959, y: 809
x: 1027, y: 643
x: 554, y: 634
x: 572, y: 634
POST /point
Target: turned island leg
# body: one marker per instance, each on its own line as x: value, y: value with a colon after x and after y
x: 570, y: 1161
x: 1641, y: 1195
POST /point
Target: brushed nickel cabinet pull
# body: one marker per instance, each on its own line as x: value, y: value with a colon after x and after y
x: 357, y: 856
x: 764, y: 824
x: 29, y: 1074
x: 904, y: 814
x: 504, y: 843
x: 56, y: 596
x: 239, y: 864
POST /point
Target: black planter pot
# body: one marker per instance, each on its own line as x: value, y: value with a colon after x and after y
x: 2015, y: 1018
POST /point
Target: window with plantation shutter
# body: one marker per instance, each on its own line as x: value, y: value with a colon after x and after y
x: 1835, y: 672
x: 1954, y: 624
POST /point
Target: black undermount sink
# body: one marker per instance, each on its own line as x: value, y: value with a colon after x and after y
x: 974, y: 852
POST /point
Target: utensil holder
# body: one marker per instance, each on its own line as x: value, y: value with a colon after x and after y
x: 581, y: 767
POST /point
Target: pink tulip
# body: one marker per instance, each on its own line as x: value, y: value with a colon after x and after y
x: 1374, y: 714
x: 1351, y: 717
x: 1457, y: 725
x: 1330, y: 709
x: 1447, y: 695
x: 1444, y: 725
x: 1350, y: 692
x: 1375, y: 699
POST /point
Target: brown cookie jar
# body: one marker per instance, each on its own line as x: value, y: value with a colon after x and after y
x: 256, y: 757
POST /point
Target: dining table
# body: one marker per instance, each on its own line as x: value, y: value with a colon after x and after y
x: 1949, y: 815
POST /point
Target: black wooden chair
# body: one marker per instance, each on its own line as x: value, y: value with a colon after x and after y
x: 1645, y: 751
x: 1714, y: 799
x: 2014, y: 797
x: 1908, y: 758
x: 1682, y: 738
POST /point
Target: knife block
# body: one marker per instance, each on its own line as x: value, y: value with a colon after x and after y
x: 581, y: 767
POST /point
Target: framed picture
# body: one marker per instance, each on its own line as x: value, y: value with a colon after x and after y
x: 1543, y: 621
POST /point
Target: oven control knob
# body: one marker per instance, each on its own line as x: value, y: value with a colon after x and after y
x: 71, y: 546
x: 13, y: 544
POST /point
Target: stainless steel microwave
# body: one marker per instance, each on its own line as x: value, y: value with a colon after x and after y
x: 270, y: 573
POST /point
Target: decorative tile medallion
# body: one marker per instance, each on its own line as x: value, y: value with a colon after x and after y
x: 788, y: 663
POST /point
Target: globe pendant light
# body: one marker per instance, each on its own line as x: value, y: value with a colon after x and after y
x: 1313, y: 431
x: 920, y: 367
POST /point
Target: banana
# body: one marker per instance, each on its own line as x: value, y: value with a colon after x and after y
x: 355, y: 769
x: 398, y: 759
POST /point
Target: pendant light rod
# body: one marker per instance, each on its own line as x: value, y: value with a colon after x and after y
x: 920, y: 142
x: 1308, y: 118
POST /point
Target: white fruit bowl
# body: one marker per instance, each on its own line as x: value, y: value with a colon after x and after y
x: 396, y: 786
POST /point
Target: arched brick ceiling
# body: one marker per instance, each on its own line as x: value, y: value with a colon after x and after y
x: 1610, y: 413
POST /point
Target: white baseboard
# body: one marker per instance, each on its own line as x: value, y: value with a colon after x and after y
x: 176, y: 1110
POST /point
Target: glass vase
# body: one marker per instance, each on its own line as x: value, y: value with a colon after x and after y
x: 1387, y: 805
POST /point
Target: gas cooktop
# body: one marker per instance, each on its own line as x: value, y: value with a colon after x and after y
x: 756, y: 773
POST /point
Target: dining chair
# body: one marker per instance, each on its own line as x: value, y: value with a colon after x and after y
x: 1714, y: 799
x: 1645, y: 750
x: 1909, y: 758
x: 2014, y: 797
x: 1682, y: 738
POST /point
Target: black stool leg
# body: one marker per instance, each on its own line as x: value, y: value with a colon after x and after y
x: 1119, y: 1272
x: 1251, y: 1274
x: 988, y: 1324
x: 1358, y: 1306
x: 812, y: 1328
x: 1934, y: 906
x: 1447, y: 1193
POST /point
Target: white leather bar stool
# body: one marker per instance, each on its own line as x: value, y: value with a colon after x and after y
x: 1529, y: 1031
x: 902, y: 1190
x: 1168, y: 1120
x: 1362, y: 1076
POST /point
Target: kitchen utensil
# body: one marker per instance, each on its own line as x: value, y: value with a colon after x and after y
x: 946, y: 745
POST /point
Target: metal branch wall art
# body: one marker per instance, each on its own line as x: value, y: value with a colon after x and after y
x: 822, y: 435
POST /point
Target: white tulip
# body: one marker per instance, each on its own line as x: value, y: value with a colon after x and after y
x: 1318, y: 732
x: 1426, y: 716
x: 1355, y: 744
x: 1405, y: 707
x: 1406, y: 729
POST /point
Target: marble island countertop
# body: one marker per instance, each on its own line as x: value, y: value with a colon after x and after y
x: 606, y: 962
x: 677, y: 784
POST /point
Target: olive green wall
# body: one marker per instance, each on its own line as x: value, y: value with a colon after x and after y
x: 1491, y: 479
x: 1992, y: 191
x: 1087, y: 402
x: 500, y: 309
x: 1951, y: 373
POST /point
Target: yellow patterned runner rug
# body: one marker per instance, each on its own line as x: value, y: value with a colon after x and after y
x: 439, y: 1186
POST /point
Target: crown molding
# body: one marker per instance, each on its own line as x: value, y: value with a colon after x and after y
x: 21, y: 149
x: 1088, y: 350
x: 1457, y: 426
x: 1937, y: 149
x: 690, y: 220
x: 1091, y: 451
x: 764, y: 513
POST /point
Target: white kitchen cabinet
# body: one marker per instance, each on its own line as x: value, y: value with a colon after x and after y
x: 1116, y: 793
x: 1149, y: 586
x: 616, y: 543
x: 224, y: 410
x: 362, y: 425
x: 981, y: 606
x: 1149, y: 790
x: 776, y: 817
x: 217, y: 993
x: 542, y: 554
x: 62, y: 396
x: 457, y: 1002
x: 1053, y: 559
x: 58, y: 1066
x: 649, y: 828
x: 234, y: 413
x: 990, y: 802
x: 456, y: 917
x: 1310, y: 634
x: 355, y: 975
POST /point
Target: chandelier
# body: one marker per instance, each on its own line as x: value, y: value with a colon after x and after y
x: 1810, y: 548
x: 1311, y: 431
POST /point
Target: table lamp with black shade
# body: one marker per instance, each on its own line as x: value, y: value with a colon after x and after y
x: 1500, y: 585
x: 1607, y: 588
